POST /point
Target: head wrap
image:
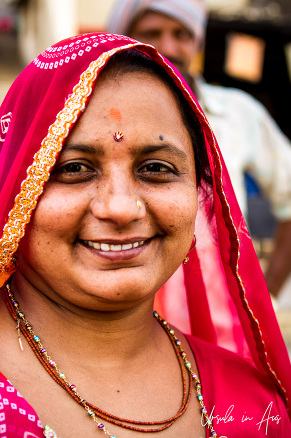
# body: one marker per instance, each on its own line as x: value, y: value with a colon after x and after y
x: 191, y: 13
x: 41, y: 108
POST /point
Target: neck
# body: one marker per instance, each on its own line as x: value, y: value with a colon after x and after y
x: 113, y: 336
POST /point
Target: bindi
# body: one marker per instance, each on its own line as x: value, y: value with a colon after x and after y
x: 118, y: 136
x: 115, y: 114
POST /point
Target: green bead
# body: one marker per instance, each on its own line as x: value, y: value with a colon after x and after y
x: 188, y: 365
x: 91, y: 413
x: 61, y: 376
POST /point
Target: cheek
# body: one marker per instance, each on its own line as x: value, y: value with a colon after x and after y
x: 179, y: 224
x: 189, y: 49
x: 54, y: 218
x: 56, y: 215
x: 185, y: 215
x: 51, y: 231
x: 177, y: 210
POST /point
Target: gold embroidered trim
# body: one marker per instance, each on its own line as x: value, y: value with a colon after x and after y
x: 44, y: 160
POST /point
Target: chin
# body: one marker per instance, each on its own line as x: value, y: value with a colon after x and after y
x: 118, y: 291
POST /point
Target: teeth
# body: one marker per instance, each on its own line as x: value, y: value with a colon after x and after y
x: 93, y: 244
x: 115, y: 247
x: 108, y: 247
x: 127, y: 246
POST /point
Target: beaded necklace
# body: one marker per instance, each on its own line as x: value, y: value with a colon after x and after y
x: 93, y: 411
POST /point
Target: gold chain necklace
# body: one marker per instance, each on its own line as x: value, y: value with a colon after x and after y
x: 94, y: 412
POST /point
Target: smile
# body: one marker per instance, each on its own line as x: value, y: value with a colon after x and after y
x: 109, y: 247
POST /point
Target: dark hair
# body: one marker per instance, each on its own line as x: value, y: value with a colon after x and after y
x: 134, y: 61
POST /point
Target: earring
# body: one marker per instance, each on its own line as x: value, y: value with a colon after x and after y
x: 138, y: 204
x: 12, y: 266
x: 186, y: 259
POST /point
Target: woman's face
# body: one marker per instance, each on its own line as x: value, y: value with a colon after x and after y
x: 88, y: 243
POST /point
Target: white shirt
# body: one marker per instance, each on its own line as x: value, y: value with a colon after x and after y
x: 250, y: 141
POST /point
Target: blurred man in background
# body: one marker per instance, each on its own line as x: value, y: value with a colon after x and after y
x: 249, y: 138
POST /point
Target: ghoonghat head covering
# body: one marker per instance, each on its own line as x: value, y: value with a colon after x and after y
x: 191, y: 13
x: 39, y: 111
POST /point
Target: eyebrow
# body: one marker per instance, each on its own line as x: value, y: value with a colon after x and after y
x: 145, y: 150
x: 142, y: 150
x: 92, y: 150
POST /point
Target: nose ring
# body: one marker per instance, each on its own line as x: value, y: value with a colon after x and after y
x: 138, y: 204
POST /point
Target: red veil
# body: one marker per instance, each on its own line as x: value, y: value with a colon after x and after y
x: 224, y: 299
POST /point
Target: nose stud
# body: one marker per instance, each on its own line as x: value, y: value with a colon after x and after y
x: 138, y: 204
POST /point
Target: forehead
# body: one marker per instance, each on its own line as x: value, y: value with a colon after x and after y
x: 139, y: 105
x: 156, y: 20
x: 119, y: 95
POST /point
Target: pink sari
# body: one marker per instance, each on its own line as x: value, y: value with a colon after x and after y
x: 223, y: 271
x: 17, y: 417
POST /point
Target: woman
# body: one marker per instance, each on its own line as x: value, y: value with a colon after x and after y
x: 104, y: 152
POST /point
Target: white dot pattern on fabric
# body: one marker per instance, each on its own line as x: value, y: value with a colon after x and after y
x: 10, y: 389
x: 55, y: 56
x: 13, y: 400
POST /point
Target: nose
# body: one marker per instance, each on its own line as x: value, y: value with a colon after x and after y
x: 118, y: 203
x: 167, y: 46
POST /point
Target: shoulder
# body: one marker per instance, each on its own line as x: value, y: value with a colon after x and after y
x: 227, y: 363
x: 240, y: 397
x: 218, y: 98
x: 228, y: 93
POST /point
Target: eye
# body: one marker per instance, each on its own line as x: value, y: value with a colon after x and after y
x: 73, y: 172
x: 183, y: 35
x: 158, y: 172
x: 155, y: 167
x: 72, y: 167
x: 149, y: 35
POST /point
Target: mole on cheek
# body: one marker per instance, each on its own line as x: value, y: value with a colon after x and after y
x: 161, y: 137
x: 115, y: 114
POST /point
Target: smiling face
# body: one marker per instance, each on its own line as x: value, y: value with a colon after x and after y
x: 90, y: 242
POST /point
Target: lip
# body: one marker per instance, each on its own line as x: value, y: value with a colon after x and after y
x: 138, y: 245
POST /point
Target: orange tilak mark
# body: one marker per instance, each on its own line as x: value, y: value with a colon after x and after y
x: 115, y: 114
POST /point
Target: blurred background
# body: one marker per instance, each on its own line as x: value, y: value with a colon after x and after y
x: 248, y: 46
